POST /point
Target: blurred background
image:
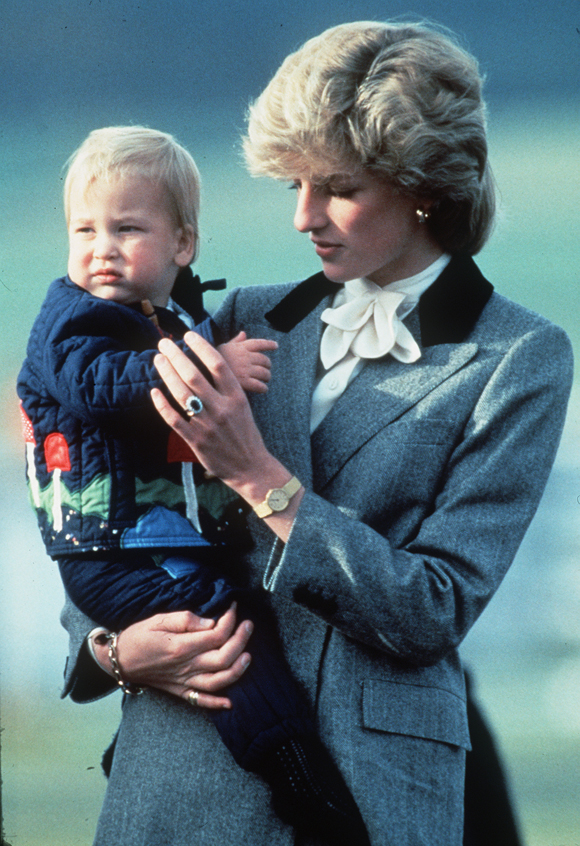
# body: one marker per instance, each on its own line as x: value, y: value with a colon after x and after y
x: 191, y: 69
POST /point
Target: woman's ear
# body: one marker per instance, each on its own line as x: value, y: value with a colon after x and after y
x: 186, y: 245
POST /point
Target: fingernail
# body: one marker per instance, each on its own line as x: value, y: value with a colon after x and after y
x: 248, y: 627
x: 246, y: 661
x: 205, y: 623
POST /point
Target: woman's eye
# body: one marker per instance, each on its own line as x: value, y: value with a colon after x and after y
x: 342, y: 193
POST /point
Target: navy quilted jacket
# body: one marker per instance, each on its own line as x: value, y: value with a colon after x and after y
x: 104, y: 471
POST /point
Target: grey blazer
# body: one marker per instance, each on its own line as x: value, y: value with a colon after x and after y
x: 420, y: 482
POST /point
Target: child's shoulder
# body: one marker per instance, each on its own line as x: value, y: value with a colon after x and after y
x: 62, y: 296
x: 69, y: 314
x: 59, y: 298
x: 65, y: 301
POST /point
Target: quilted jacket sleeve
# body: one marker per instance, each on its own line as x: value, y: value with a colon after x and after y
x: 95, y: 358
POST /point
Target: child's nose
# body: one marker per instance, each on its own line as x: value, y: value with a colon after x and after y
x: 104, y: 246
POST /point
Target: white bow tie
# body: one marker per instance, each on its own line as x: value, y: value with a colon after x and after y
x: 369, y: 324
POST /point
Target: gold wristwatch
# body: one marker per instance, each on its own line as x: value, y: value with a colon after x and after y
x: 277, y: 499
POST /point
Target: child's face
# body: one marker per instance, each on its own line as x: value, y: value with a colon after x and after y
x: 123, y: 243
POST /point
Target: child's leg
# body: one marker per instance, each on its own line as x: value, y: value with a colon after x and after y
x: 269, y: 729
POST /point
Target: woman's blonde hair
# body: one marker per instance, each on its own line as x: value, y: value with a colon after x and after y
x: 118, y: 151
x: 402, y: 100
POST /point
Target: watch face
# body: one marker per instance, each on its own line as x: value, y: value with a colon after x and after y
x: 278, y: 500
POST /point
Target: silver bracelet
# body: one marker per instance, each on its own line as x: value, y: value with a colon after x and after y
x: 111, y: 639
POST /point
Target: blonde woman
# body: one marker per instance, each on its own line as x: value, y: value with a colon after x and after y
x: 409, y: 429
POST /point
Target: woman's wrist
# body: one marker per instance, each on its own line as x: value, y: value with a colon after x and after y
x: 103, y: 646
x: 267, y: 477
x: 99, y: 650
x: 263, y: 477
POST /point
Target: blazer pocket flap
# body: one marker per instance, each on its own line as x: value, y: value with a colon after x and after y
x: 415, y: 710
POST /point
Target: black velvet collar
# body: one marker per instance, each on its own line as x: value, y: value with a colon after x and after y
x: 448, y: 310
x: 301, y: 300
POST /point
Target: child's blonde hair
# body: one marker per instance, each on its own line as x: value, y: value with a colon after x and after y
x: 138, y: 151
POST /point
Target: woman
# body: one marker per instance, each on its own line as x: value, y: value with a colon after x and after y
x: 420, y: 412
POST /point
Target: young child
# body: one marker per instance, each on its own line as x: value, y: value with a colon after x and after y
x: 121, y: 503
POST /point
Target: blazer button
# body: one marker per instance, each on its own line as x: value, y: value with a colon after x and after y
x: 315, y: 600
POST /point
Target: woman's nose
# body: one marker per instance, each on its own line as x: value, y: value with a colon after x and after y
x: 310, y: 209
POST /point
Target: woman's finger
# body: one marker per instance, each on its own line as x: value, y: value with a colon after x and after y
x: 223, y: 657
x: 209, y: 358
x: 177, y: 385
x: 202, y: 700
x: 213, y: 682
x: 226, y: 625
x: 169, y: 414
x: 206, y: 700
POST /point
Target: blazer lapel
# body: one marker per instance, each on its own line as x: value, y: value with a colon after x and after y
x: 287, y: 403
x: 379, y: 395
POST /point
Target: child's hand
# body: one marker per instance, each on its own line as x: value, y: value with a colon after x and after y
x: 246, y: 359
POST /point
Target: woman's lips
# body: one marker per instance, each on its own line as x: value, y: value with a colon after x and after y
x: 325, y: 249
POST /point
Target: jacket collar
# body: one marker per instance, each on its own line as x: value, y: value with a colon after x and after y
x: 188, y: 292
x: 448, y: 310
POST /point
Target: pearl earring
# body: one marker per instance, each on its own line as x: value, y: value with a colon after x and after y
x: 422, y: 215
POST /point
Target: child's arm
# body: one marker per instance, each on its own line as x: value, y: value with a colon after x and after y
x: 246, y: 359
x: 95, y: 359
x: 131, y: 591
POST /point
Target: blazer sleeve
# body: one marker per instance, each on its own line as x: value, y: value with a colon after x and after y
x: 84, y: 680
x: 418, y: 598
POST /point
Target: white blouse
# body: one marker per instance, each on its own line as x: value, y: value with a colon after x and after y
x: 366, y: 321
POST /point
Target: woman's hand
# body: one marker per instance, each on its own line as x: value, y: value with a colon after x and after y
x: 223, y: 434
x: 179, y: 652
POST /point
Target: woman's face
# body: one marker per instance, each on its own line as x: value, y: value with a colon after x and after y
x: 362, y: 227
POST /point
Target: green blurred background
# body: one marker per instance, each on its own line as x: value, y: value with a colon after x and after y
x: 191, y: 70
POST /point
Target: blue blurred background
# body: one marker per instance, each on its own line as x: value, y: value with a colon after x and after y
x: 191, y: 69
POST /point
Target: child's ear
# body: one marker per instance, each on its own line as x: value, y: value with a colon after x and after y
x: 185, y: 246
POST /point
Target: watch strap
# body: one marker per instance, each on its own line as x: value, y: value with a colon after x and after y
x: 291, y: 488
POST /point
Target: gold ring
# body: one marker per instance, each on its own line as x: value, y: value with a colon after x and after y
x: 193, y: 696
